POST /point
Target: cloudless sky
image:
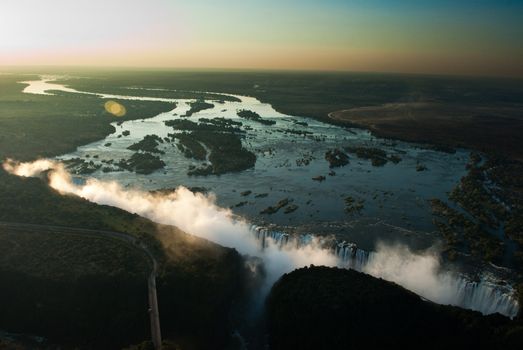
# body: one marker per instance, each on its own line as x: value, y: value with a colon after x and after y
x: 479, y: 37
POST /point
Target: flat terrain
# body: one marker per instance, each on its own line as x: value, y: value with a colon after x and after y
x: 479, y: 113
x: 453, y: 111
x: 33, y: 126
x: 491, y: 129
x: 55, y: 282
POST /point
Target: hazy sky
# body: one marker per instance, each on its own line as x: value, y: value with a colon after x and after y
x: 433, y: 36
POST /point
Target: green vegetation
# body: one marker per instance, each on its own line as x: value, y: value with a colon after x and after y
x: 305, y: 160
x: 395, y: 159
x: 49, y: 250
x: 295, y: 132
x: 197, y: 106
x: 80, y: 166
x: 336, y: 158
x: 148, y: 144
x: 472, y: 195
x: 197, y: 189
x: 483, y: 114
x: 190, y: 147
x: 504, y: 181
x: 200, y: 281
x: 215, y: 125
x: 377, y: 156
x: 67, y: 298
x: 462, y: 234
x: 297, y: 122
x: 66, y: 286
x: 275, y: 208
x: 293, y: 93
x: 239, y: 204
x: 353, y: 205
x: 331, y: 308
x: 128, y: 90
x: 227, y: 152
x: 290, y: 209
x: 492, y: 196
x: 142, y: 163
x: 199, y: 288
x: 250, y: 115
x: 488, y: 126
x: 221, y: 136
x: 33, y: 126
x: 97, y: 305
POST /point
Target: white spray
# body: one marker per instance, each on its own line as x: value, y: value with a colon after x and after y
x: 198, y: 214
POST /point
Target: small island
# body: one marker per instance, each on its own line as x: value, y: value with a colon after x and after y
x: 198, y: 106
x: 336, y: 158
x: 142, y: 163
x: 250, y: 115
x: 218, y: 141
x: 149, y: 143
x: 378, y: 157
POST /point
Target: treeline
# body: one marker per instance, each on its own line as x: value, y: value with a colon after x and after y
x: 199, y: 284
x: 331, y: 308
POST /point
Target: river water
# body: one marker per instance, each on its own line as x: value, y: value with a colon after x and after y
x: 394, y: 196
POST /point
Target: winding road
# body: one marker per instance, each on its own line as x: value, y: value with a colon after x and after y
x: 154, y: 313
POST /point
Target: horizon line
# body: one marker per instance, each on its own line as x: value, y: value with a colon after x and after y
x: 252, y: 70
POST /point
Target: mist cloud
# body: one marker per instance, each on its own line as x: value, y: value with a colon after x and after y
x: 199, y: 215
x: 420, y: 273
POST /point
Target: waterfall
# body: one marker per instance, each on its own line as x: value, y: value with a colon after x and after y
x: 351, y: 256
x: 487, y: 297
x: 484, y: 295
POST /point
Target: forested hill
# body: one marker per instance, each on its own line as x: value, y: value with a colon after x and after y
x: 331, y: 308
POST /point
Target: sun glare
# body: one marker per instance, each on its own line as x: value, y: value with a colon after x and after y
x: 115, y: 108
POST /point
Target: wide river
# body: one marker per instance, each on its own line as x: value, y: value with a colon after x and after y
x: 394, y: 197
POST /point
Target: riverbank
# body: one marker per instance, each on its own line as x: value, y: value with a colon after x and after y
x: 488, y: 129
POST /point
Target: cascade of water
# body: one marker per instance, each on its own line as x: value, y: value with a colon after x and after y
x: 485, y: 295
x: 351, y: 256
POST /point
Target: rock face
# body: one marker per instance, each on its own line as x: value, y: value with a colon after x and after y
x: 331, y: 308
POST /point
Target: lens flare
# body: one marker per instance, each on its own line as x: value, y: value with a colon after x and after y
x: 115, y: 108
